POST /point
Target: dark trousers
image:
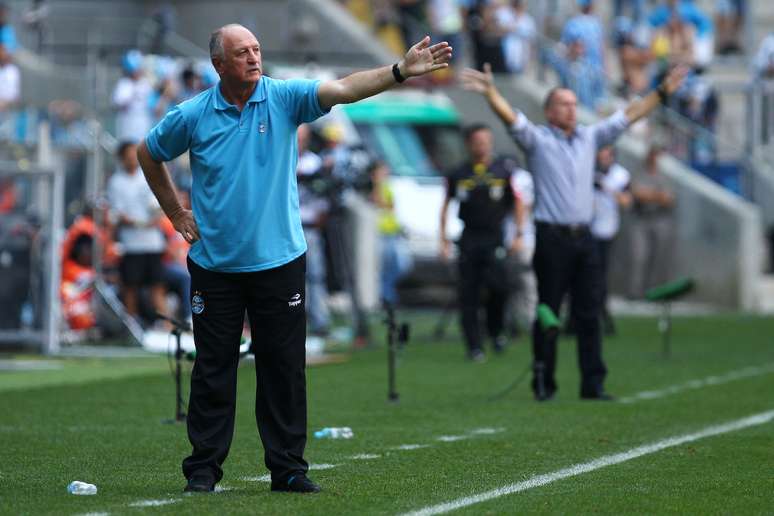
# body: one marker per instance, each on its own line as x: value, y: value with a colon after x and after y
x: 603, y: 250
x: 480, y: 268
x: 274, y: 301
x: 567, y: 261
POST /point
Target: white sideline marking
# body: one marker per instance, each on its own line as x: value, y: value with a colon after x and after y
x: 153, y: 503
x: 267, y: 478
x: 365, y: 456
x: 601, y: 462
x: 487, y: 431
x: 411, y: 446
x: 451, y: 438
x: 739, y: 374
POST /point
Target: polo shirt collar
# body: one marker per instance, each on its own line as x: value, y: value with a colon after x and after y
x: 259, y: 94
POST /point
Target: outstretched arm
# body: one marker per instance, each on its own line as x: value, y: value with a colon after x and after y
x: 420, y: 59
x: 671, y: 83
x: 483, y: 83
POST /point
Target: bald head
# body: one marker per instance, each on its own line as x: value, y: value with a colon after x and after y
x: 560, y: 108
x: 218, y: 35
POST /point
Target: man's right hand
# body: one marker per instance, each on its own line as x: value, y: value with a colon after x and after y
x: 184, y: 223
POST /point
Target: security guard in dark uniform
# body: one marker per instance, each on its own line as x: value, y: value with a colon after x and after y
x: 482, y: 186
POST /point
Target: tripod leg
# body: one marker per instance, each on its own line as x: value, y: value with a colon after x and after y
x: 439, y: 331
x: 666, y: 329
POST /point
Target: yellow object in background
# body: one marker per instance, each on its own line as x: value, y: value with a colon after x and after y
x: 660, y: 46
x: 388, y: 223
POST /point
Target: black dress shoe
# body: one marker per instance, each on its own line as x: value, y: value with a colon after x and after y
x: 199, y: 484
x: 296, y: 484
x: 544, y: 396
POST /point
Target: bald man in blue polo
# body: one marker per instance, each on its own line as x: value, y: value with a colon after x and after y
x: 247, y: 243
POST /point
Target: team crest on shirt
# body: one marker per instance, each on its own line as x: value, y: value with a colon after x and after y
x: 197, y: 303
x: 295, y: 300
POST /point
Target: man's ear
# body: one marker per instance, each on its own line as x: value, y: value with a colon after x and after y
x: 217, y: 63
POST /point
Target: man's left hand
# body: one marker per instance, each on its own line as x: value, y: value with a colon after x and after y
x: 423, y: 58
x: 517, y: 244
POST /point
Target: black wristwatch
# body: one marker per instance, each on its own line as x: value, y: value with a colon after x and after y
x: 396, y: 73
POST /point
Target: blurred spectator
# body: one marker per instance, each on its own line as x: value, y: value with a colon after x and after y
x: 763, y: 70
x: 446, y: 24
x: 10, y: 92
x: 190, y: 85
x: 729, y: 18
x: 344, y: 163
x: 633, y: 43
x: 631, y: 9
x: 698, y: 101
x: 763, y: 62
x: 651, y: 235
x: 68, y: 127
x: 395, y: 258
x: 135, y: 213
x: 611, y: 185
x: 174, y: 262
x: 313, y: 205
x: 687, y: 12
x: 163, y: 98
x: 36, y: 19
x: 165, y: 19
x: 484, y: 36
x: 519, y: 33
x: 587, y: 28
x: 76, y: 287
x: 131, y: 99
x: 576, y: 73
x: 7, y: 34
x: 8, y: 195
x: 412, y: 19
x: 78, y: 272
x: 10, y: 80
x: 675, y: 42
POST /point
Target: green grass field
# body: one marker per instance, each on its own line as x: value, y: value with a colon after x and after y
x: 100, y: 421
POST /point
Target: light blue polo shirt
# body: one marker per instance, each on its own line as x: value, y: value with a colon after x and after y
x: 244, y: 195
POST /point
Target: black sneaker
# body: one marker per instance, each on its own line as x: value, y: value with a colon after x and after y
x: 477, y: 356
x: 199, y: 484
x: 296, y: 484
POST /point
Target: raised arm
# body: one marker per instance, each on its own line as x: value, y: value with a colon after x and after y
x: 642, y: 107
x: 483, y: 83
x: 420, y: 59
